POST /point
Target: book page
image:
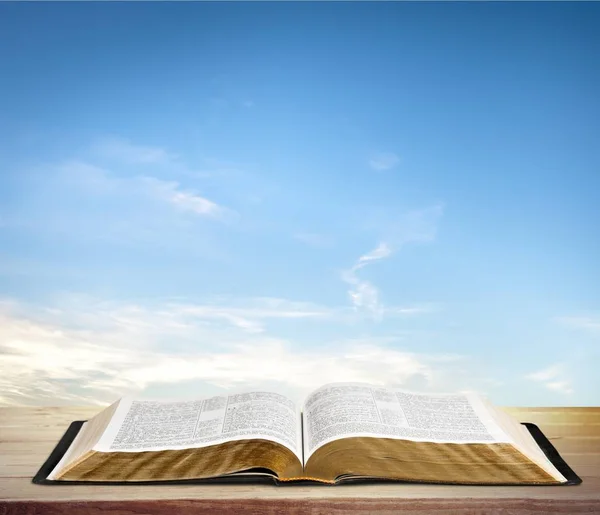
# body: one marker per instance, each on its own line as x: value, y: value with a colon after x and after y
x: 344, y: 410
x: 145, y: 425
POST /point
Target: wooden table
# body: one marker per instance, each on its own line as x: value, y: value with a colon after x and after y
x: 27, y: 435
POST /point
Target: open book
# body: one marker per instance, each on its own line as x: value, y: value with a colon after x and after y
x: 342, y: 432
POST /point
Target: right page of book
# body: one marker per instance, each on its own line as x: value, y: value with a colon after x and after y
x: 342, y: 410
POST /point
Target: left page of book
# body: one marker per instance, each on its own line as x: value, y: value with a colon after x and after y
x: 154, y: 425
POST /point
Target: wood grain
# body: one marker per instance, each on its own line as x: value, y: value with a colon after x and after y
x: 347, y: 506
x: 27, y: 435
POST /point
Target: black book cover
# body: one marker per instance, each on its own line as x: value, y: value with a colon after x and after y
x: 41, y: 478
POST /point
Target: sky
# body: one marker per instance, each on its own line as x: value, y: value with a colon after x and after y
x: 208, y: 197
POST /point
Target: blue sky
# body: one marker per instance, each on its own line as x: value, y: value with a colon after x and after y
x: 202, y: 196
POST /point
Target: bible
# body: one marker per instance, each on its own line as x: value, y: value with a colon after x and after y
x: 342, y: 432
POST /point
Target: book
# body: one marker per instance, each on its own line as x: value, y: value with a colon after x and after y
x: 342, y: 432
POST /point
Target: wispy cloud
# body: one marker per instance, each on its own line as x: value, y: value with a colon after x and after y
x: 415, y: 226
x: 250, y: 314
x: 97, y: 181
x: 115, y: 350
x: 363, y: 294
x: 410, y: 311
x: 380, y: 252
x: 384, y: 161
x: 79, y: 178
x: 88, y: 200
x: 553, y: 377
x: 120, y: 152
x: 184, y: 200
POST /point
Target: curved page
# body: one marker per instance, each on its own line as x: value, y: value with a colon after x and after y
x: 343, y: 410
x: 145, y: 425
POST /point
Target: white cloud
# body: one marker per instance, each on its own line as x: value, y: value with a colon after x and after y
x: 251, y: 315
x: 191, y: 202
x: 413, y: 227
x: 586, y: 323
x: 384, y: 161
x: 89, y: 179
x: 546, y: 374
x: 171, y: 192
x: 97, y: 177
x: 363, y: 294
x: 410, y: 310
x: 553, y: 378
x: 380, y: 252
x: 560, y: 386
x: 93, y: 352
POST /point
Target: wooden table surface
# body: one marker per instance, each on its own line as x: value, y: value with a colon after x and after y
x: 27, y: 435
